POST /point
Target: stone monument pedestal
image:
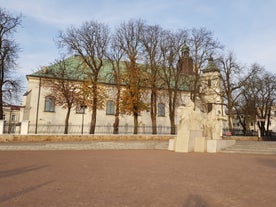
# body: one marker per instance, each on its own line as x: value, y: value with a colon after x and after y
x: 200, y: 144
x: 198, y: 131
x: 189, y: 128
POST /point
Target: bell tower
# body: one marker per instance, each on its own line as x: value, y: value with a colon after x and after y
x: 211, y: 86
x: 186, y: 63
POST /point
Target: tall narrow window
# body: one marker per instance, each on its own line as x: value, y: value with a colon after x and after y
x: 161, y: 109
x: 13, y: 117
x: 209, y: 107
x: 49, y: 104
x: 110, y: 108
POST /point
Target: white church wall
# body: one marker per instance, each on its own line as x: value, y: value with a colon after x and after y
x: 58, y: 116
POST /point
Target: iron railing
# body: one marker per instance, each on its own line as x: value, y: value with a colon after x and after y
x: 100, y: 129
x: 11, y: 128
x: 239, y: 132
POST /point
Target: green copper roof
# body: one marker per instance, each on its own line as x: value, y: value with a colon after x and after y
x: 72, y: 68
x: 185, y: 48
x: 211, y: 67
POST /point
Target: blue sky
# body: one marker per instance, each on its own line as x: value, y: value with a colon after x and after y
x: 246, y: 27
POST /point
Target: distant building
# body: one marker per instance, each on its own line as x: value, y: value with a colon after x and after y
x: 11, y: 118
x: 251, y: 123
x: 273, y: 119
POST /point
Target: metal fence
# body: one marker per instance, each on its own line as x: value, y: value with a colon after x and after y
x: 239, y: 132
x: 107, y: 129
x: 11, y: 128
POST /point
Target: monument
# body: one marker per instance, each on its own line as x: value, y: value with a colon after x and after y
x: 200, y: 123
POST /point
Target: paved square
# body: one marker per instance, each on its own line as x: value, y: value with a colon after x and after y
x: 136, y: 178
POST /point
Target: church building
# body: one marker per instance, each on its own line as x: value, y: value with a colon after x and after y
x: 44, y: 116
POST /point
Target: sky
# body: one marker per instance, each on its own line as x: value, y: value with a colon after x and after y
x: 245, y: 27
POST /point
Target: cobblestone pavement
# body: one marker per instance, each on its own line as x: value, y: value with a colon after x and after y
x: 136, y: 178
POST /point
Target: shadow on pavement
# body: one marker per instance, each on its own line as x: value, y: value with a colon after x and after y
x: 9, y: 196
x: 195, y: 201
x: 267, y: 162
x: 21, y: 170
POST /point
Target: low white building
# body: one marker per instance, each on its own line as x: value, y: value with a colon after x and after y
x: 11, y: 118
x: 251, y: 123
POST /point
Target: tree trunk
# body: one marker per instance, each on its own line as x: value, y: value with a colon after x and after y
x: 230, y: 118
x: 93, y: 120
x: 116, y: 125
x: 268, y: 121
x: 171, y: 115
x: 243, y: 123
x: 261, y: 125
x: 67, y: 120
x: 1, y: 105
x: 117, y: 120
x: 117, y: 112
x: 172, y: 111
x: 135, y: 119
x: 173, y: 130
x: 153, y: 112
x: 263, y: 128
x: 94, y: 109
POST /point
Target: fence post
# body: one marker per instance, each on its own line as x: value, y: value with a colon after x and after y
x: 24, y: 127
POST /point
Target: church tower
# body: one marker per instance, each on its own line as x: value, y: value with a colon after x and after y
x: 186, y: 63
x: 211, y: 87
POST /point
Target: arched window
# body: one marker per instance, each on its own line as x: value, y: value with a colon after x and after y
x: 49, y: 104
x: 161, y: 109
x: 110, y: 107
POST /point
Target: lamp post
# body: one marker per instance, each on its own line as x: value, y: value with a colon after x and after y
x: 83, y: 107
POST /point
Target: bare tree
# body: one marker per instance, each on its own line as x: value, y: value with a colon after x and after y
x: 115, y: 56
x: 232, y: 81
x: 245, y: 109
x: 8, y: 55
x: 170, y: 73
x: 259, y: 90
x: 196, y: 45
x: 128, y: 37
x: 202, y: 45
x: 63, y: 81
x: 151, y: 40
x: 90, y: 42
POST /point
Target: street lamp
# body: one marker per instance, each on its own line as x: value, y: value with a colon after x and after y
x: 83, y: 107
